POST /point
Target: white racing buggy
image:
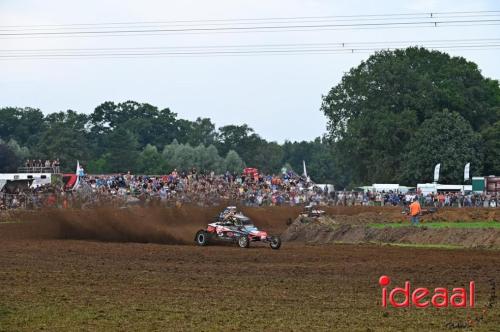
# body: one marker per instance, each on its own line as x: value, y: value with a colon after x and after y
x: 311, y: 212
x: 234, y: 228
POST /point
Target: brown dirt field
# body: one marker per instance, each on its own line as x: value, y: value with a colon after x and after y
x: 68, y: 285
x: 60, y: 272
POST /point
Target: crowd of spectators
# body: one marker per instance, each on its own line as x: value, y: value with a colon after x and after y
x: 32, y: 198
x: 208, y: 189
x: 202, y: 188
x: 42, y: 166
x: 439, y: 200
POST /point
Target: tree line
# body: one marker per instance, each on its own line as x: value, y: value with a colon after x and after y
x: 139, y: 137
x: 390, y: 120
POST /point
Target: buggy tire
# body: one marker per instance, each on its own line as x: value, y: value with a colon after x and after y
x: 201, y: 238
x: 275, y: 242
x: 243, y: 242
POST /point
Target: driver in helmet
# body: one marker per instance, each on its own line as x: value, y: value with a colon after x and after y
x: 227, y: 216
x: 228, y: 212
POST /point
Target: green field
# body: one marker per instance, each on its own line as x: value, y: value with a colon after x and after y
x: 441, y: 224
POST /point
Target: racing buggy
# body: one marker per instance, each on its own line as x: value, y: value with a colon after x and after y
x: 235, y: 228
x: 311, y: 212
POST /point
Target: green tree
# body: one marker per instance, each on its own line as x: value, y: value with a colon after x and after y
x: 207, y: 158
x: 24, y: 125
x: 233, y: 163
x: 122, y: 150
x: 295, y: 152
x: 202, y: 131
x: 241, y: 139
x: 445, y: 138
x: 64, y: 143
x: 179, y: 156
x: 378, y: 106
x: 268, y: 157
x: 321, y: 165
x: 64, y: 137
x: 8, y: 159
x: 146, y: 122
x: 491, y: 141
x: 97, y: 166
x: 151, y: 161
x: 21, y: 152
x: 371, y: 150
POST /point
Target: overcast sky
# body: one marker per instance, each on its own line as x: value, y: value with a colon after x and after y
x: 277, y: 95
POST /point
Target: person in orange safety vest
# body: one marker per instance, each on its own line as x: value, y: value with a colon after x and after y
x: 415, y: 211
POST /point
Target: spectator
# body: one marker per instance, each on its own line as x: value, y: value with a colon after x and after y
x: 57, y: 165
x: 415, y: 211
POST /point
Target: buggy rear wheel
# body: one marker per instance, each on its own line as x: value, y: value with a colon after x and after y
x: 201, y: 238
x: 275, y: 242
x: 243, y: 242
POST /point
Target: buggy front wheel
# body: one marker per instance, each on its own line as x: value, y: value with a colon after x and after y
x: 243, y: 242
x: 201, y: 238
x: 275, y: 242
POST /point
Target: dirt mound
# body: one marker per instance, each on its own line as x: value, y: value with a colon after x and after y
x: 134, y: 224
x: 466, y: 214
x: 144, y: 225
x: 327, y: 230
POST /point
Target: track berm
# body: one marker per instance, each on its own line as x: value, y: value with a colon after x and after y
x: 178, y: 225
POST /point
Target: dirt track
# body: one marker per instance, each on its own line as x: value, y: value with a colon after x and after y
x: 80, y: 285
x: 51, y: 281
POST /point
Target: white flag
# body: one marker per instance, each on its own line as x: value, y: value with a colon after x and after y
x: 436, y: 172
x: 77, y: 182
x: 467, y: 172
x: 79, y: 169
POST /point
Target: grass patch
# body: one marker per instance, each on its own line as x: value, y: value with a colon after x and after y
x: 424, y: 246
x: 3, y: 311
x: 441, y: 224
x: 415, y: 245
x: 10, y: 222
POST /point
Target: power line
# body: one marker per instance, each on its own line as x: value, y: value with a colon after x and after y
x: 215, y: 55
x: 430, y: 26
x: 180, y: 24
x: 299, y: 51
x: 271, y: 23
x: 249, y: 28
x: 338, y: 17
x: 273, y: 45
x: 251, y: 25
